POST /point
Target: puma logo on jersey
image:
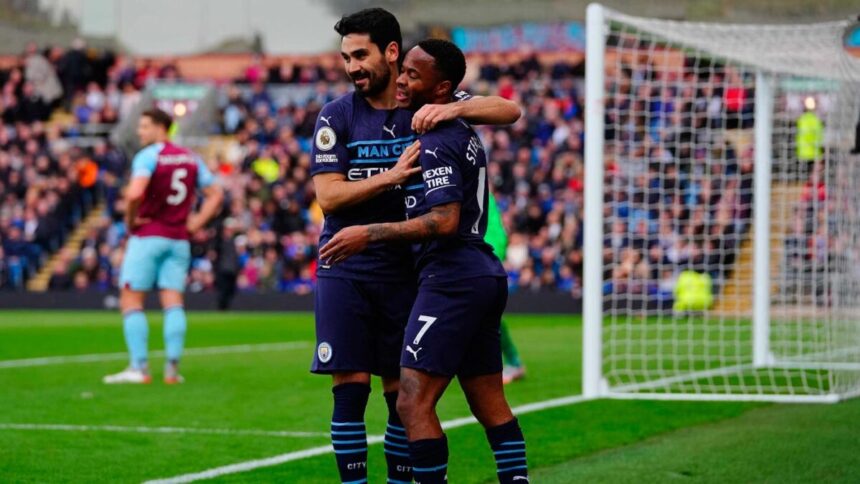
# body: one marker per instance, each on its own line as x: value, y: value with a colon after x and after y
x: 325, y: 120
x: 390, y: 131
x: 433, y: 152
x: 520, y: 478
x: 414, y: 352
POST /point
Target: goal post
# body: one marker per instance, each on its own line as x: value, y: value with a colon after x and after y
x: 721, y: 211
x: 761, y: 213
x: 592, y: 297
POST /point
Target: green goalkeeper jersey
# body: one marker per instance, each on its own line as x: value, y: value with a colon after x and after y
x: 496, y: 235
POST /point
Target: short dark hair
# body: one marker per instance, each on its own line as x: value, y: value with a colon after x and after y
x: 448, y: 60
x: 159, y: 117
x: 380, y: 24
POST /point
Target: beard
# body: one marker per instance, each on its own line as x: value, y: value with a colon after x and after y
x: 377, y: 82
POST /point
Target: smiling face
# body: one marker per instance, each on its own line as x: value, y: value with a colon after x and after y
x: 369, y: 68
x: 419, y: 82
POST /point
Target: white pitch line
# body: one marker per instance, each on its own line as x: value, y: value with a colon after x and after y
x: 98, y: 357
x: 327, y: 449
x: 158, y: 430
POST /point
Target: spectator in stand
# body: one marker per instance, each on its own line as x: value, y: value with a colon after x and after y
x: 74, y: 68
x: 60, y: 278
x: 227, y: 263
x: 256, y: 71
x: 40, y: 73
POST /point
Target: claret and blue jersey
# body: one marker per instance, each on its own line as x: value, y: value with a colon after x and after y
x: 159, y: 252
x: 175, y: 174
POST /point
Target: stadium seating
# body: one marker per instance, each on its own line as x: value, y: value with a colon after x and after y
x: 56, y: 164
x: 271, y: 221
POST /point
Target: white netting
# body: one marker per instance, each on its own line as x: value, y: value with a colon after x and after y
x: 679, y: 183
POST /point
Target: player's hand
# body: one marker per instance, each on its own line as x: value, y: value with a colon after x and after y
x: 404, y: 168
x: 426, y: 118
x: 137, y: 222
x: 346, y: 243
x: 195, y: 223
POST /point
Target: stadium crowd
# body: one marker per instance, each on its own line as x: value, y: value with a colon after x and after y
x: 679, y: 173
x: 57, y: 106
x: 535, y: 172
x: 660, y: 215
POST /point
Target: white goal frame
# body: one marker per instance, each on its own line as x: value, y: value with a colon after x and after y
x: 594, y: 382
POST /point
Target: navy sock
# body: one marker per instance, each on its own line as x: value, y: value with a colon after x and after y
x: 396, y: 445
x: 509, y: 449
x: 429, y: 460
x: 348, y: 434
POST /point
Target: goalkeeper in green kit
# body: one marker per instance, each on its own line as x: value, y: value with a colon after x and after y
x: 498, y: 240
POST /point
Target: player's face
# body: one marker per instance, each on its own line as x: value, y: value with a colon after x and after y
x: 146, y: 131
x: 366, y: 65
x: 418, y: 83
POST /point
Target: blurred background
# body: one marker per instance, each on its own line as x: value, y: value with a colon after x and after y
x: 245, y: 81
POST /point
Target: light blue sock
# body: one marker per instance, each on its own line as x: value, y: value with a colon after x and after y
x: 136, y: 334
x: 174, y: 332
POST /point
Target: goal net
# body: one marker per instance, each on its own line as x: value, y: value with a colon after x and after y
x: 722, y: 212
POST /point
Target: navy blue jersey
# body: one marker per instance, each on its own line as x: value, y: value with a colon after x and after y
x: 453, y: 169
x: 353, y: 138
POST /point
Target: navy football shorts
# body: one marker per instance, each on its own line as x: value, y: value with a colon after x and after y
x: 454, y: 328
x: 360, y: 325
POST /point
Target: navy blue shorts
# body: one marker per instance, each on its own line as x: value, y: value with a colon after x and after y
x: 360, y: 325
x: 454, y: 328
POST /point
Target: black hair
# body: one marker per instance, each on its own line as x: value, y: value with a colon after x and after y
x: 448, y: 59
x: 159, y: 117
x: 380, y: 24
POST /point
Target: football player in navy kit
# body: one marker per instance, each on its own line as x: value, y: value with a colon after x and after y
x: 453, y: 327
x: 364, y: 151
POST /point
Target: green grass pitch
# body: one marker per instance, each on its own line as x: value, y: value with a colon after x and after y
x: 244, y: 403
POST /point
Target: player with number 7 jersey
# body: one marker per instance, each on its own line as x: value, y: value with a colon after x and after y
x: 165, y: 180
x: 453, y: 328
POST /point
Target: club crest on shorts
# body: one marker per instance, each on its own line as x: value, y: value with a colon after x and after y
x: 325, y: 138
x: 324, y: 352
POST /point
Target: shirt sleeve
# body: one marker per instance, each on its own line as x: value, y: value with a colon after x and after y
x: 443, y: 177
x: 144, y: 162
x: 205, y: 178
x: 329, y: 153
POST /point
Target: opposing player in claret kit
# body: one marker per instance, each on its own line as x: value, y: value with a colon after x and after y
x: 453, y: 327
x: 364, y: 151
x: 165, y: 179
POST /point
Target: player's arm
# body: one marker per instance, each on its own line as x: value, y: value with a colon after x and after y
x: 330, y: 165
x: 444, y: 199
x: 213, y: 197
x: 492, y: 110
x: 441, y: 221
x: 335, y: 192
x: 133, y: 197
x: 142, y: 167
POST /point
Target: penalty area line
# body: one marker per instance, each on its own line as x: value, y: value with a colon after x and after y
x: 327, y: 449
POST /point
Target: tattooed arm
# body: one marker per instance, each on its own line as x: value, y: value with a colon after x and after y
x: 441, y: 221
